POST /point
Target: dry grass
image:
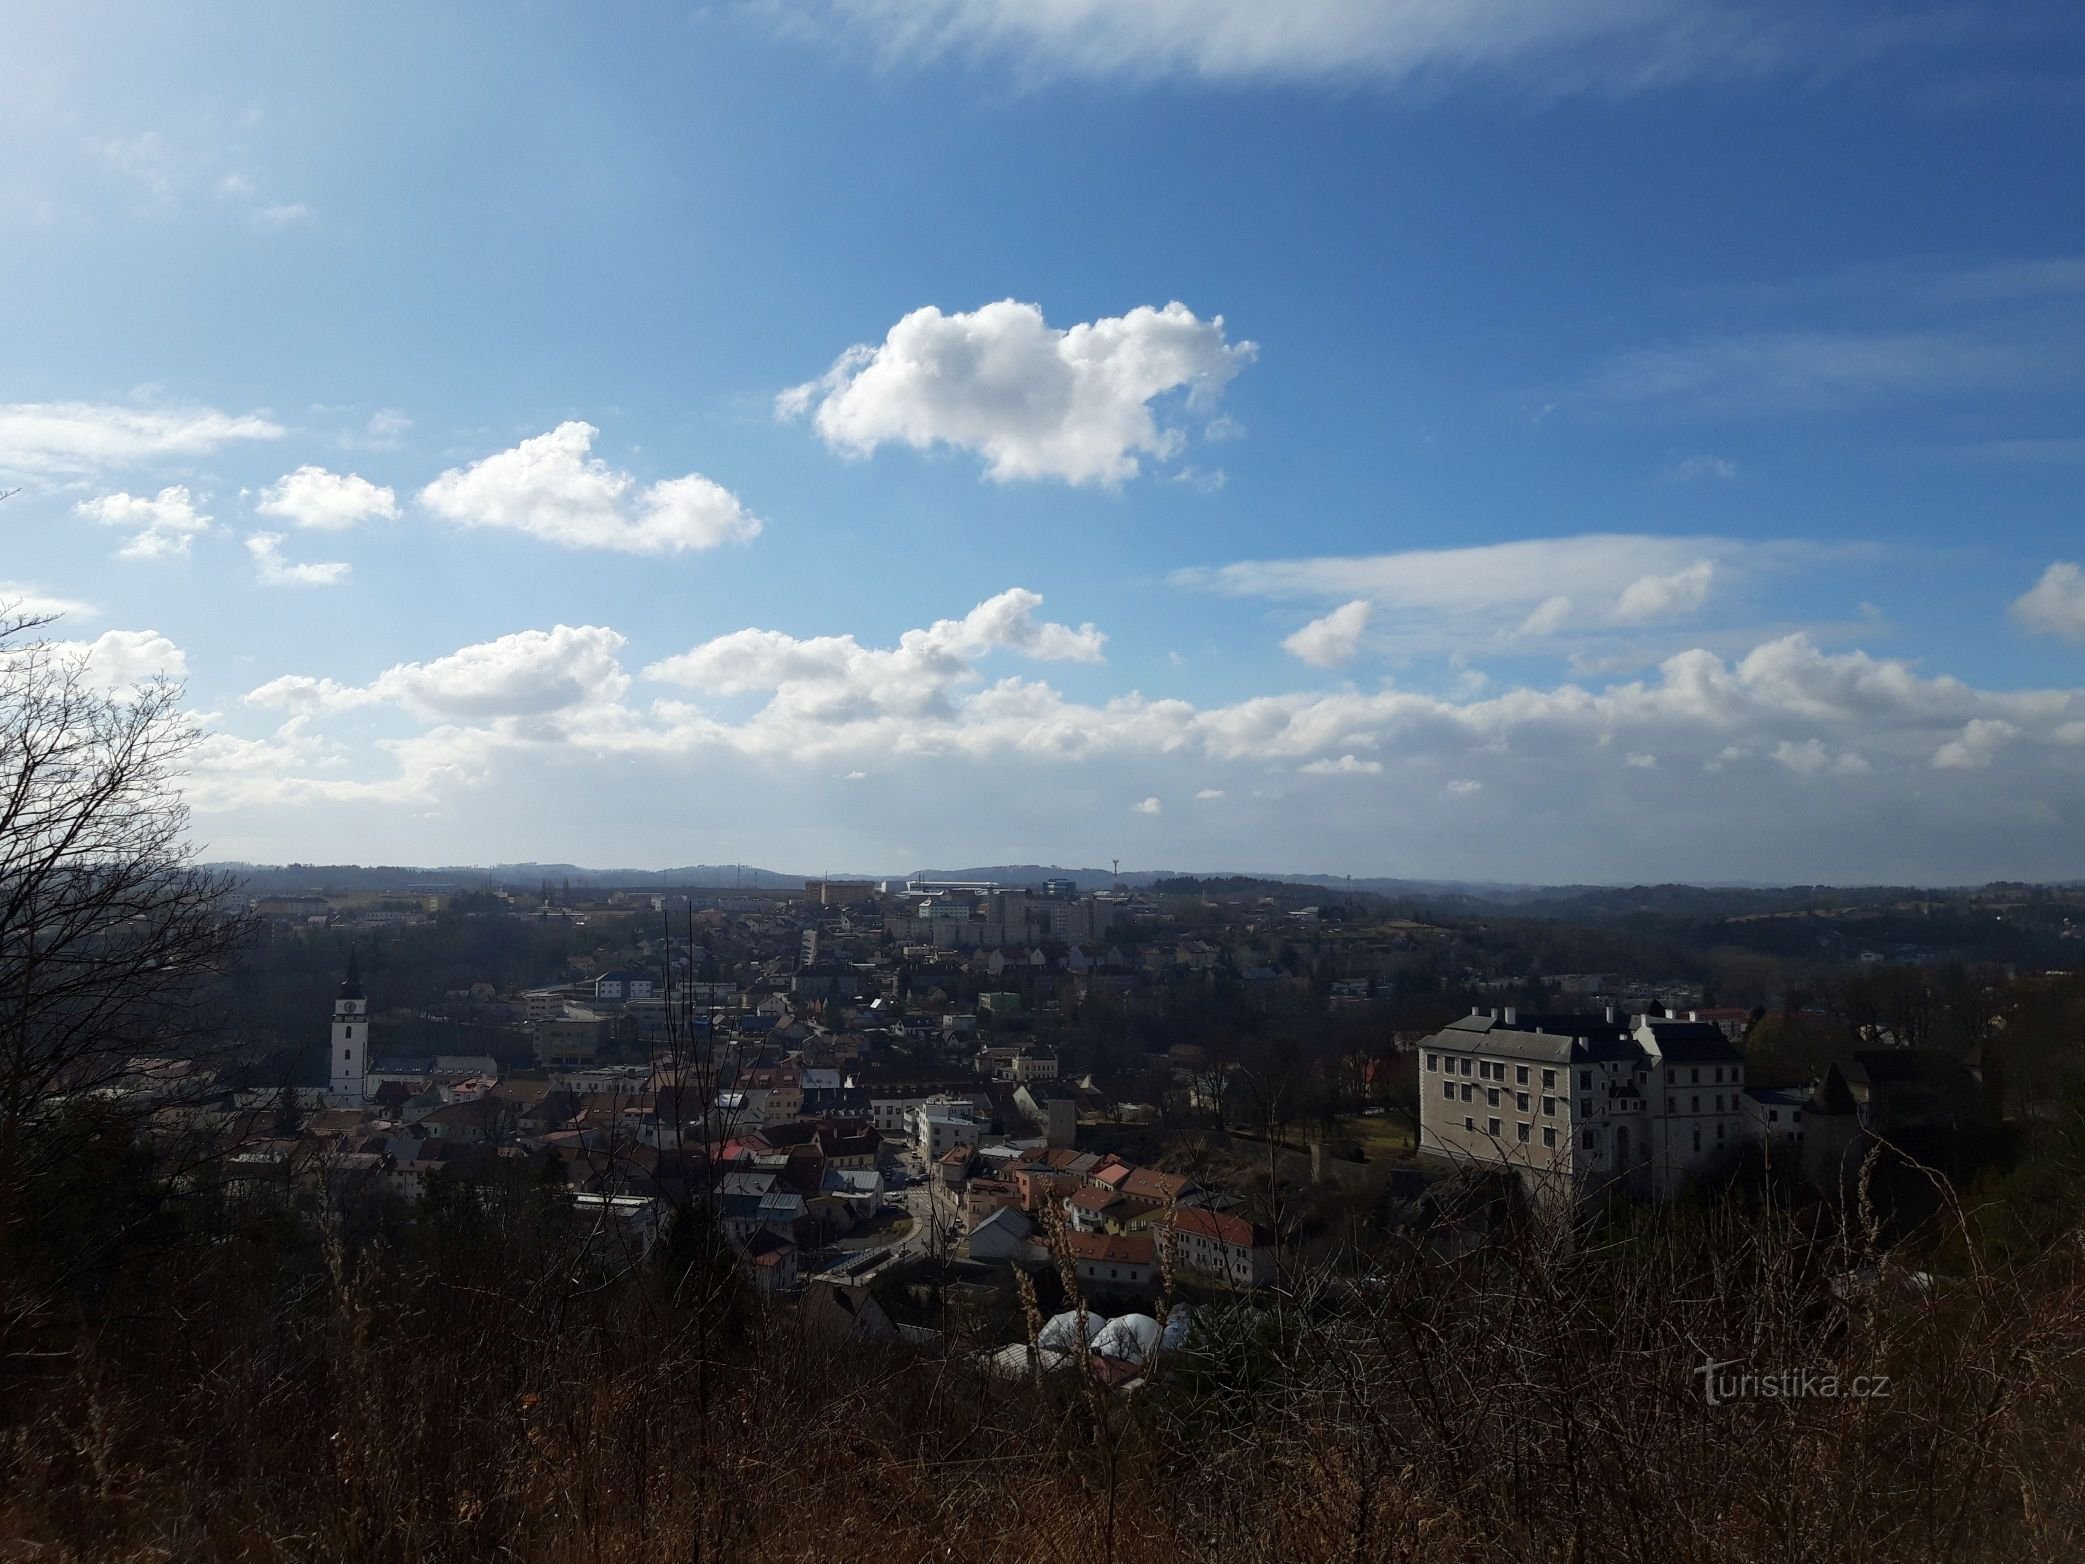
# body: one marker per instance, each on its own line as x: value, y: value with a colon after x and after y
x: 475, y: 1396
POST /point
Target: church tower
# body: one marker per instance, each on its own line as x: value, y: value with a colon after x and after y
x: 350, y: 1038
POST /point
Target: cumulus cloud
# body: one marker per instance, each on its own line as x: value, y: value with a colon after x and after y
x: 77, y: 437
x: 325, y: 501
x: 2055, y: 605
x: 1344, y: 766
x: 530, y: 674
x: 274, y: 570
x: 1332, y: 641
x: 1982, y: 738
x: 551, y: 487
x: 1033, y: 400
x: 1832, y: 758
x: 1209, y: 793
x: 119, y: 659
x: 1147, y: 806
x: 1649, y: 598
x: 823, y: 679
x: 160, y: 526
x: 1641, y: 761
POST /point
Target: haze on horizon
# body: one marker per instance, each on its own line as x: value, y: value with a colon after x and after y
x: 1547, y: 444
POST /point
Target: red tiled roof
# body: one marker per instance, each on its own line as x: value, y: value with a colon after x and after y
x: 1113, y: 1249
x: 1221, y: 1226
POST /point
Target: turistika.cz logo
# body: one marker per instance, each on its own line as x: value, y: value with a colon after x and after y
x: 1728, y: 1380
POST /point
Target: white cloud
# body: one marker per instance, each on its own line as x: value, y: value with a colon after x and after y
x: 274, y: 570
x: 1545, y: 618
x: 1493, y: 596
x: 283, y: 214
x: 530, y: 674
x: 118, y: 659
x: 1032, y: 400
x: 1689, y: 468
x: 1641, y: 761
x: 823, y: 679
x: 2055, y: 605
x: 1147, y: 806
x: 147, y: 157
x: 75, y: 437
x: 1980, y: 742
x: 1344, y: 766
x: 160, y: 526
x: 1209, y: 793
x: 1331, y: 641
x: 326, y: 501
x: 550, y: 487
x: 1649, y: 598
x: 27, y: 599
x: 1565, y: 45
x: 1825, y: 763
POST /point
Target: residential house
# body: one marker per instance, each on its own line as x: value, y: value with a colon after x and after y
x: 1219, y: 1244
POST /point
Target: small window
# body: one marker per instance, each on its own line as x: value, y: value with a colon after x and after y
x: 1694, y: 1078
x: 1466, y: 1067
x: 1491, y: 1128
x: 1697, y: 1137
x: 348, y: 1054
x: 1719, y: 1075
x: 1468, y: 1092
x: 1433, y: 1061
x: 1585, y: 1107
x: 1520, y: 1075
x: 1585, y: 1080
x: 1549, y: 1106
x: 1469, y: 1123
x: 1492, y: 1097
x: 1549, y: 1135
x: 1520, y: 1101
x: 1587, y: 1140
x: 1520, y: 1132
x: 1549, y: 1079
x: 1773, y: 1115
x: 1697, y: 1104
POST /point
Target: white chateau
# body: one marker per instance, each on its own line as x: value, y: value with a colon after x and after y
x: 1573, y: 1103
x: 349, y: 1083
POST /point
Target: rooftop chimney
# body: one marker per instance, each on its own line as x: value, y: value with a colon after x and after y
x: 1610, y: 1015
x: 1512, y: 1015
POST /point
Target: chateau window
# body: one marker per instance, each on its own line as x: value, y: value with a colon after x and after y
x: 1469, y: 1123
x: 1491, y: 1128
x: 1549, y: 1079
x: 1549, y: 1135
x: 1694, y: 1078
x: 1521, y: 1133
x: 1585, y: 1107
x: 1549, y: 1106
x: 1448, y: 1090
x: 1492, y: 1097
x: 1433, y: 1061
x: 1520, y: 1101
x: 1520, y: 1075
x: 1468, y: 1092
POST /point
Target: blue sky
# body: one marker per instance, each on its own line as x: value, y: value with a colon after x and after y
x: 1571, y: 439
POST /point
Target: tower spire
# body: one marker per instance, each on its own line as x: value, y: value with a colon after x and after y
x: 351, y: 985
